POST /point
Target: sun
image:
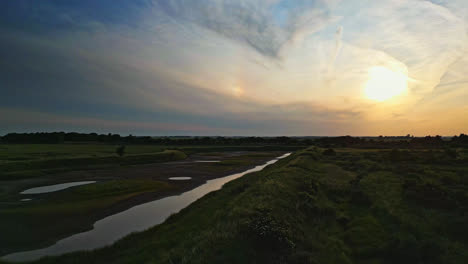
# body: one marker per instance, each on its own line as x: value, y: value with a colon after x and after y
x: 384, y: 84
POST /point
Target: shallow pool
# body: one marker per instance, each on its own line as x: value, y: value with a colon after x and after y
x: 180, y: 178
x: 55, y: 187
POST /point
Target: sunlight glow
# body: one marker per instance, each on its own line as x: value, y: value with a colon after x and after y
x: 237, y: 91
x: 384, y: 84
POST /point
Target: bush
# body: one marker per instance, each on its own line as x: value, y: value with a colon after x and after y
x: 269, y: 234
x: 120, y: 151
x: 329, y: 152
x: 451, y: 153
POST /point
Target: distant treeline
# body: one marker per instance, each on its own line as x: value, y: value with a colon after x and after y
x: 393, y: 142
x: 328, y: 142
x: 61, y: 137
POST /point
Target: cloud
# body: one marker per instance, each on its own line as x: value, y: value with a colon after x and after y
x: 18, y: 118
x: 425, y: 37
x: 253, y: 23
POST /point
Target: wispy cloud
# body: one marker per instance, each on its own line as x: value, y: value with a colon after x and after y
x: 254, y: 23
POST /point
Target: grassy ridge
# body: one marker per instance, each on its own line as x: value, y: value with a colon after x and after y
x: 346, y: 207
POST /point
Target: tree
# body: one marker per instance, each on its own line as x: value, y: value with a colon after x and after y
x: 120, y: 150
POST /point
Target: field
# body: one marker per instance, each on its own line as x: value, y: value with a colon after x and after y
x: 317, y: 206
x: 21, y: 161
x: 29, y: 160
x: 139, y: 176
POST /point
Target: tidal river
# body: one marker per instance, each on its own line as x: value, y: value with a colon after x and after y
x: 138, y: 218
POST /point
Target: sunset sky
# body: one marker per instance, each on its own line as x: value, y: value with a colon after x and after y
x: 245, y: 67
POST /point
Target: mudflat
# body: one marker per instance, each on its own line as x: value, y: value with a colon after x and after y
x: 49, y: 217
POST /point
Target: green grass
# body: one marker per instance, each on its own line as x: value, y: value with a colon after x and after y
x: 353, y: 207
x: 37, y: 167
x: 22, y: 161
x: 22, y: 152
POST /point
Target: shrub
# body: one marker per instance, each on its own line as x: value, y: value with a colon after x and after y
x: 451, y: 153
x: 329, y: 152
x: 269, y: 233
x: 120, y: 151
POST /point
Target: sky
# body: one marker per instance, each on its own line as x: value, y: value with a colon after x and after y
x: 244, y: 67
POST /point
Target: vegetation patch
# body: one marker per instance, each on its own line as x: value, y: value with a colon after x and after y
x: 315, y: 208
x: 34, y: 167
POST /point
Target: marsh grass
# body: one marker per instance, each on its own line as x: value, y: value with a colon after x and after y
x: 352, y: 207
x: 36, y: 167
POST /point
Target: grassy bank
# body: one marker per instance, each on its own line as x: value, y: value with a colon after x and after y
x: 27, y: 152
x: 345, y: 207
x: 22, y: 161
x: 30, y: 161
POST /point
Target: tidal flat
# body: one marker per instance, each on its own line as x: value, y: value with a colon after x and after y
x: 31, y: 221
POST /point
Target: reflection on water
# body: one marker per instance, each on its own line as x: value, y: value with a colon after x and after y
x: 180, y: 178
x: 138, y: 218
x: 55, y: 187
